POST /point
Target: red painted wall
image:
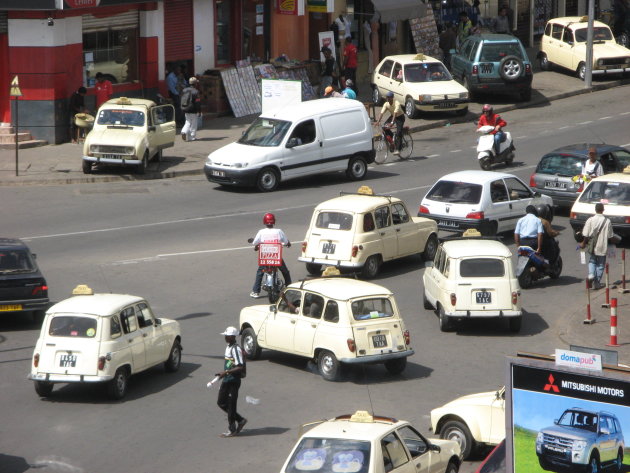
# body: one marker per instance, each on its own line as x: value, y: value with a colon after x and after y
x: 5, y: 105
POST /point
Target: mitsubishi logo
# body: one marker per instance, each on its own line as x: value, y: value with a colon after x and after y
x: 551, y: 386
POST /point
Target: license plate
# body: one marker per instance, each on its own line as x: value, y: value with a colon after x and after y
x: 379, y: 341
x: 114, y: 156
x: 328, y: 248
x: 10, y: 308
x: 555, y: 449
x: 483, y: 297
x: 68, y: 361
x: 486, y: 68
x: 448, y: 223
x: 555, y: 185
x: 218, y: 173
x: 446, y: 105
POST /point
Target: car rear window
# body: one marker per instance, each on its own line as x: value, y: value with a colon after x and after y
x: 455, y: 192
x: 560, y: 165
x: 334, y: 221
x: 495, y: 52
x: 330, y: 454
x: 16, y: 261
x: 376, y: 308
x: 72, y: 326
x: 607, y: 192
x: 482, y: 268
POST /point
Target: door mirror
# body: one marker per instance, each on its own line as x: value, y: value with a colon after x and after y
x: 273, y: 308
x: 158, y: 322
x: 428, y: 264
x: 293, y: 142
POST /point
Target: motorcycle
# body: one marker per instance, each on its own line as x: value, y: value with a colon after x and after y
x: 269, y: 262
x: 531, y: 266
x: 485, y: 148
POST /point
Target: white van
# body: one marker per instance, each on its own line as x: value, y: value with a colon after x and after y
x: 318, y: 136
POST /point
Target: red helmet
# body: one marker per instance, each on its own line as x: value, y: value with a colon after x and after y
x: 269, y: 219
x: 487, y: 108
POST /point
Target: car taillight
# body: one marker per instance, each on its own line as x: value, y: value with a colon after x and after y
x: 475, y: 215
x: 355, y: 250
x: 407, y: 337
x: 627, y: 220
x: 453, y: 299
x: 304, y: 244
x: 351, y: 345
x: 423, y: 210
x: 580, y: 187
x: 572, y: 215
x: 101, y: 362
x: 532, y: 181
x: 475, y: 70
x: 514, y: 297
x: 38, y: 289
x: 528, y: 69
x: 36, y: 360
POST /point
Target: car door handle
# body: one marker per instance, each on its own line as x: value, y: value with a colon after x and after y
x: 314, y: 325
x: 293, y: 321
x: 510, y: 206
x: 382, y: 233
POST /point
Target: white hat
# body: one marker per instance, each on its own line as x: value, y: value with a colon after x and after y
x: 231, y: 332
x: 192, y: 80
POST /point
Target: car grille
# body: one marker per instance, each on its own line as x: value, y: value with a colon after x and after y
x: 557, y: 442
x: 109, y: 149
x: 614, y: 61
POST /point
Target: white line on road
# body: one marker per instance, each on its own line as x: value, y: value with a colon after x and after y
x: 455, y: 150
x: 586, y: 123
x: 624, y: 113
x: 604, y: 118
x: 520, y: 137
x: 564, y: 127
x: 433, y: 155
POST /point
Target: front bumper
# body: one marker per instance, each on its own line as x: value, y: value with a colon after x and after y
x: 616, y: 70
x: 499, y: 85
x: 459, y: 225
x: 69, y: 378
x: 442, y: 105
x: 231, y: 177
x: 371, y: 359
x: 483, y: 313
x: 28, y: 305
x: 121, y: 162
x: 332, y: 262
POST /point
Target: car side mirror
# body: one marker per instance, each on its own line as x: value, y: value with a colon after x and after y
x: 158, y: 321
x: 429, y: 264
x: 435, y: 448
x: 151, y: 128
x: 292, y: 143
x: 34, y: 255
x: 604, y: 430
x: 273, y: 308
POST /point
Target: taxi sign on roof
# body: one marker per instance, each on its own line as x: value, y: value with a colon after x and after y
x: 82, y: 290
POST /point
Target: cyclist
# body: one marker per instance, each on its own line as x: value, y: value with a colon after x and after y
x: 397, y: 117
x: 269, y: 235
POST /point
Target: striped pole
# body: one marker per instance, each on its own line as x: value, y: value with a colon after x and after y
x: 607, y: 303
x: 588, y: 319
x: 613, y: 323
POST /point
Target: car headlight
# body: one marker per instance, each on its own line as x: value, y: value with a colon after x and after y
x: 240, y: 165
x: 463, y: 95
x: 579, y: 445
x: 539, y: 437
x: 425, y: 98
x: 130, y: 150
x: 627, y: 61
x: 93, y: 148
x: 600, y: 62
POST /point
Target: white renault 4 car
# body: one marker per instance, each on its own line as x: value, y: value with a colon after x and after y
x: 102, y: 338
x: 488, y: 201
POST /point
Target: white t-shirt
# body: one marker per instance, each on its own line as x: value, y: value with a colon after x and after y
x: 593, y: 169
x: 269, y: 235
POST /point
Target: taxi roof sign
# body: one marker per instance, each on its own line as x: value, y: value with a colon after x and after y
x: 15, y: 88
x: 82, y: 290
x: 362, y: 416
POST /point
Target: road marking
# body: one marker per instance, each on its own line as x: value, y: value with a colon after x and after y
x: 455, y: 150
x: 433, y: 156
x: 624, y: 113
x: 564, y: 127
x: 604, y: 118
x: 521, y: 137
x: 586, y: 123
x: 624, y: 146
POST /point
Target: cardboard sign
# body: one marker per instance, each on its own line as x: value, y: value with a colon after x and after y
x: 270, y: 254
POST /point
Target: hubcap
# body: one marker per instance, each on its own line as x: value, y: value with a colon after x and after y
x: 512, y: 68
x: 457, y: 436
x: 327, y: 364
x: 268, y: 179
x: 357, y: 168
x: 249, y: 344
x: 176, y: 356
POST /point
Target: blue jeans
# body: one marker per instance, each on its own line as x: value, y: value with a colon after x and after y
x: 596, y: 266
x: 499, y: 137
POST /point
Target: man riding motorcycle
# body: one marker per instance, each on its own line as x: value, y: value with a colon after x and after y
x: 269, y: 235
x: 488, y: 117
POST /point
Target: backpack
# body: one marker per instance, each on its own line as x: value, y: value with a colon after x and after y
x: 186, y: 100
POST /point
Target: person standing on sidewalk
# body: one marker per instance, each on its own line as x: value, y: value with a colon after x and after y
x: 328, y: 70
x: 501, y: 23
x: 596, y: 232
x: 448, y: 40
x: 350, y: 64
x: 77, y: 105
x: 231, y: 382
x: 191, y: 106
x: 104, y: 89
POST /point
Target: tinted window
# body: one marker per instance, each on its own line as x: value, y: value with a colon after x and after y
x: 372, y: 309
x: 313, y: 305
x: 368, y: 222
x: 481, y: 268
x: 426, y: 72
x: 115, y: 329
x: 556, y: 32
x: 386, y: 68
x: 610, y: 193
x: 494, y: 52
x: 600, y: 33
x: 16, y: 261
x: 560, y: 165
x: 304, y: 132
x: 623, y: 157
x: 72, y: 326
x: 382, y: 217
x: 329, y: 454
x: 265, y: 132
x: 567, y: 37
x: 334, y: 221
x: 455, y: 192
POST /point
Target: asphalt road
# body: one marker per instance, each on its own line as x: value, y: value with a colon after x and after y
x: 182, y: 244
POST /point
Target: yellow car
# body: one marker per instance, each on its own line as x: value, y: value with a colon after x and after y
x: 564, y: 44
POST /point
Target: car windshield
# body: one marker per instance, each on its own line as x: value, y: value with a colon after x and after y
x: 376, y: 308
x: 325, y: 455
x: 455, y: 192
x: 426, y: 72
x: 579, y: 420
x: 495, y: 52
x: 265, y: 132
x: 607, y: 192
x: 16, y: 261
x: 334, y: 221
x: 482, y: 268
x: 600, y: 33
x: 560, y: 165
x: 120, y: 117
x: 72, y: 326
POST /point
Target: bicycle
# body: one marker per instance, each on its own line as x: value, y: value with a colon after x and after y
x: 385, y: 144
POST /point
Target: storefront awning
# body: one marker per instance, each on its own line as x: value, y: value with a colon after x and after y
x: 392, y: 10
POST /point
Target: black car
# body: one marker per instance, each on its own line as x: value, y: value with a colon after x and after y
x: 22, y: 285
x: 555, y: 171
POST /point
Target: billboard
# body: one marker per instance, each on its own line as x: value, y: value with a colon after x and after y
x: 565, y: 419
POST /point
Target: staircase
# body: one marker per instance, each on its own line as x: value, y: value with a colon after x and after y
x: 25, y: 140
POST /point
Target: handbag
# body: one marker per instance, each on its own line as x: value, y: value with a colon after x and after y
x: 592, y: 242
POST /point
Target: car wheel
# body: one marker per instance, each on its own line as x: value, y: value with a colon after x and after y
x: 357, y: 169
x: 452, y: 468
x: 515, y: 323
x: 526, y: 95
x: 142, y: 167
x: 376, y: 96
x: 543, y: 60
x: 485, y: 163
x: 459, y: 432
x: 445, y: 323
x: 462, y: 112
x: 410, y: 108
x: 267, y: 180
x: 328, y: 365
x: 466, y: 84
x: 430, y: 248
x: 525, y: 280
x: 556, y: 269
x: 396, y: 366
x: 314, y: 269
x: 249, y: 342
x: 117, y: 387
x: 38, y: 316
x: 371, y: 267
x: 425, y: 302
x: 581, y: 71
x: 43, y: 388
x: 511, y: 68
x: 381, y: 149
x: 158, y: 156
x: 174, y: 358
x: 593, y: 464
x: 87, y: 167
x: 619, y: 461
x: 510, y: 158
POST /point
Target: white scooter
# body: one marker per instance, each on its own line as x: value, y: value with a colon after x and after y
x: 485, y: 148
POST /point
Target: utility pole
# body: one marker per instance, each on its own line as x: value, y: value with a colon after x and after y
x: 588, y: 73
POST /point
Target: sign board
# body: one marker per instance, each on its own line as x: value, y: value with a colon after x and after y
x: 559, y: 416
x: 327, y: 38
x: 287, y: 7
x: 15, y: 90
x: 278, y: 93
x: 575, y: 359
x: 270, y: 254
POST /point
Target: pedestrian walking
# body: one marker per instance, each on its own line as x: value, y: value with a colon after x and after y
x: 501, y: 23
x: 448, y: 43
x: 173, y: 82
x: 191, y: 107
x: 231, y: 375
x: 328, y: 70
x: 77, y: 105
x: 350, y: 64
x: 596, y: 232
x: 104, y: 89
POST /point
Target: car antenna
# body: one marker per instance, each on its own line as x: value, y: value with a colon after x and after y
x: 100, y: 267
x: 367, y: 386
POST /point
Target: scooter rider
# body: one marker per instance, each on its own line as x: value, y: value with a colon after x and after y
x: 488, y: 117
x: 269, y: 235
x: 529, y: 230
x: 550, y: 248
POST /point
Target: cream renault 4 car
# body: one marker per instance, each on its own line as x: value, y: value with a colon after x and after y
x: 129, y: 132
x: 472, y: 277
x: 102, y: 338
x: 362, y: 231
x: 364, y: 443
x: 332, y: 320
x: 564, y: 44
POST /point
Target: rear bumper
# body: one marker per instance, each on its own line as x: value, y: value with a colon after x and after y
x: 332, y: 262
x: 559, y: 198
x: 27, y: 304
x: 621, y: 229
x: 370, y: 359
x: 499, y: 85
x: 68, y: 378
x: 458, y: 225
x: 484, y: 313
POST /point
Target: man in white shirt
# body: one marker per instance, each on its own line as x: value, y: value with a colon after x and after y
x: 592, y: 167
x: 597, y: 227
x: 397, y: 117
x: 269, y: 235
